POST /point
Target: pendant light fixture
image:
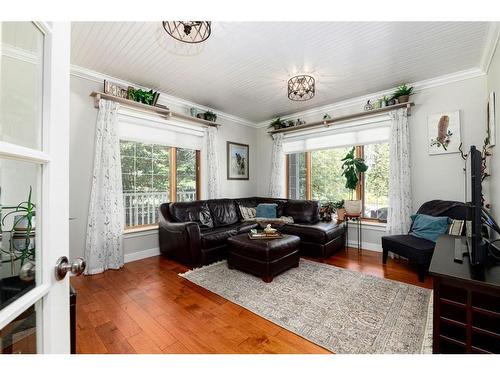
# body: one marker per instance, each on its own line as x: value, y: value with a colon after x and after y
x: 301, y: 88
x: 188, y: 31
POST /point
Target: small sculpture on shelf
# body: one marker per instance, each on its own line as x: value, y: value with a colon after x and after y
x: 368, y: 106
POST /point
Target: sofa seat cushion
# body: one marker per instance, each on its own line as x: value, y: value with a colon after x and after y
x: 197, y: 211
x: 410, y: 247
x: 223, y: 212
x: 320, y: 232
x: 246, y: 227
x: 302, y: 211
x: 217, y: 237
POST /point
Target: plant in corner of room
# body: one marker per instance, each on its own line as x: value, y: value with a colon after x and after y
x: 352, y: 167
x: 22, y: 233
x: 402, y: 93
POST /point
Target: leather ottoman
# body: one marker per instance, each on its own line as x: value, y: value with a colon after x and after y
x: 263, y: 258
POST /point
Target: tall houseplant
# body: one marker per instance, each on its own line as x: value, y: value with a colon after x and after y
x: 352, y: 167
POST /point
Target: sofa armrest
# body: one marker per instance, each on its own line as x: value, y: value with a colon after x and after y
x: 180, y: 241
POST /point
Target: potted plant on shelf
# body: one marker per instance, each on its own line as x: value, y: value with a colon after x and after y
x: 338, y: 206
x: 402, y: 93
x: 276, y: 124
x: 352, y: 167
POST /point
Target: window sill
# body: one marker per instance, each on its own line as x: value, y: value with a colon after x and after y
x: 142, y: 230
x: 373, y: 225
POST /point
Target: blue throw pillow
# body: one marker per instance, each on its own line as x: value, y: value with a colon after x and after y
x: 267, y: 210
x: 429, y: 227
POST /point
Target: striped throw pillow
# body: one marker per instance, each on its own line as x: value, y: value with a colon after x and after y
x: 247, y: 213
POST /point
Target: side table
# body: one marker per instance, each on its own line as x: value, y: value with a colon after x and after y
x: 356, y: 220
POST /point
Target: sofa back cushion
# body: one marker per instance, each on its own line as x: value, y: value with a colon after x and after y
x: 197, y: 211
x: 302, y: 211
x: 223, y: 212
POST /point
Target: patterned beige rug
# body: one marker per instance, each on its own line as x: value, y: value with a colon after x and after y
x: 341, y: 310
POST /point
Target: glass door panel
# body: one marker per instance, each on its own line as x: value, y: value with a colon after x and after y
x: 21, y: 84
x: 19, y: 191
x: 20, y: 335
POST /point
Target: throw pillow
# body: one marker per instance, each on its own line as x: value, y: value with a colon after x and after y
x: 267, y: 210
x: 429, y: 227
x: 248, y: 213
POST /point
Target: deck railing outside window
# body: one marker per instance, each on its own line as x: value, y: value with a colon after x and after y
x: 142, y: 208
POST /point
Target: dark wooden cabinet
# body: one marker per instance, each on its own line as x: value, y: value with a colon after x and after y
x: 466, y: 303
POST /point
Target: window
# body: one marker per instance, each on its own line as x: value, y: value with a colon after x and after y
x: 318, y: 175
x: 154, y: 174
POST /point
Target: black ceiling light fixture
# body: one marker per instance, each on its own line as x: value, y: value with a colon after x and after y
x: 188, y: 31
x: 301, y: 88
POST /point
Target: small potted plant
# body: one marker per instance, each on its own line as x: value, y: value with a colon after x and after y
x: 276, y: 124
x: 402, y: 93
x: 338, y: 206
x: 352, y: 167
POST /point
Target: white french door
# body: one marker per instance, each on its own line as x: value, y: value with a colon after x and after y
x: 34, y: 183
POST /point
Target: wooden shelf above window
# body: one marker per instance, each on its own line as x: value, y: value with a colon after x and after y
x: 167, y: 113
x: 327, y: 123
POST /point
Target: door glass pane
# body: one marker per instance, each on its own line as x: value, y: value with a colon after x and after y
x: 297, y: 176
x: 21, y: 78
x: 327, y: 182
x: 19, y: 336
x: 186, y: 175
x: 19, y: 183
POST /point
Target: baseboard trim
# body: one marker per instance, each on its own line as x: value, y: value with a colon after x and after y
x: 148, y: 253
x: 366, y: 245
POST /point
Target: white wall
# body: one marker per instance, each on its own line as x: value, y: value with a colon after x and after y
x: 494, y: 85
x: 433, y: 177
x: 82, y: 133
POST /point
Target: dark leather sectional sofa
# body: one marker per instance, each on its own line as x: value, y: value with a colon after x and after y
x: 196, y: 233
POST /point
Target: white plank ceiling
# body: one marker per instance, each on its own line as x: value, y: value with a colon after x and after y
x: 243, y: 68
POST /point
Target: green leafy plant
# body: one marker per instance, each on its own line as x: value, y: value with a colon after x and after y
x: 141, y: 96
x: 277, y: 124
x: 403, y: 90
x: 338, y: 204
x: 210, y: 116
x: 23, y: 211
x: 352, y: 167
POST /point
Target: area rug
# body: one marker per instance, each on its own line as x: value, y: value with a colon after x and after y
x: 344, y: 311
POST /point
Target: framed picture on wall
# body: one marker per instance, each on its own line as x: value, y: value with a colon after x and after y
x: 444, y: 133
x: 492, y: 118
x: 237, y: 161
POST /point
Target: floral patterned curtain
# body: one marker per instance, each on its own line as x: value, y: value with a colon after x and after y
x: 277, y: 183
x: 104, y: 240
x: 400, y: 200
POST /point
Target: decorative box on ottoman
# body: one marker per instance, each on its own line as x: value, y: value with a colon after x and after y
x: 263, y: 258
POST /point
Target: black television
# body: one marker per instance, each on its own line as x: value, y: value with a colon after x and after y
x: 476, y: 244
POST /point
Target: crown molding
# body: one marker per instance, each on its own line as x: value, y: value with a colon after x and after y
x: 21, y: 54
x: 361, y: 100
x: 490, y: 46
x: 165, y: 99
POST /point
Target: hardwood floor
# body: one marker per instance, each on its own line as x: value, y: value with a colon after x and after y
x: 147, y: 308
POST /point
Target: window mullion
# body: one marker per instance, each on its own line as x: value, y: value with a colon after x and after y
x: 308, y: 175
x: 173, y: 174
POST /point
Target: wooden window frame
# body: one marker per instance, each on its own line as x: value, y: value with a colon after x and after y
x: 173, y: 187
x: 360, y: 189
